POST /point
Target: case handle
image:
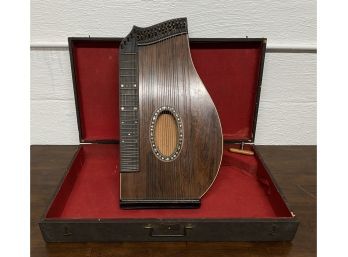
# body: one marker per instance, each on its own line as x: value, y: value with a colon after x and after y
x: 168, y: 230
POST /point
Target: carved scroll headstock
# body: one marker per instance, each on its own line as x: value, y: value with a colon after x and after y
x: 155, y: 33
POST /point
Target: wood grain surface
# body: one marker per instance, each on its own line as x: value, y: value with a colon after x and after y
x: 294, y: 168
x: 167, y: 77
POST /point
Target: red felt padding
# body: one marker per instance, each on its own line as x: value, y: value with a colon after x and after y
x: 243, y: 189
x: 229, y: 70
x: 96, y: 72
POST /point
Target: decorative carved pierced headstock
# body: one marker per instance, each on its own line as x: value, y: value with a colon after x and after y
x: 155, y: 33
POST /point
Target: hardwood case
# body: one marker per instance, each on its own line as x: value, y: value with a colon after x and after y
x: 243, y: 204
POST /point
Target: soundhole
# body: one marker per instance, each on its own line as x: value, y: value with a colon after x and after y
x: 166, y: 134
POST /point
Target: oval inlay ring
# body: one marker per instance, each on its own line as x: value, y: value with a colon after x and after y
x: 166, y: 133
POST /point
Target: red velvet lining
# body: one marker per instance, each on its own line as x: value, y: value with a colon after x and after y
x: 243, y: 189
x: 229, y: 70
x: 96, y: 69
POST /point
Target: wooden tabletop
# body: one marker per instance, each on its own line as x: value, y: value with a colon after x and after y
x: 294, y: 168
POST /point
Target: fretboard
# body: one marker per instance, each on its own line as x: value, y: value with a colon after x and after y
x: 129, y: 104
x: 129, y: 92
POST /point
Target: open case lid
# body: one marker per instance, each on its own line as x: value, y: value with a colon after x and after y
x: 231, y: 70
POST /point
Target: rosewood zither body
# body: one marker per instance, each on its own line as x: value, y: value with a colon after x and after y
x: 171, y: 140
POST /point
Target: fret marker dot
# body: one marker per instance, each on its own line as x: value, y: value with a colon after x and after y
x: 122, y: 108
